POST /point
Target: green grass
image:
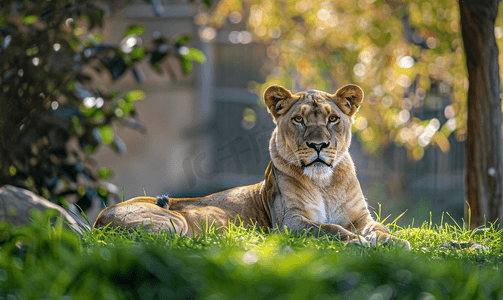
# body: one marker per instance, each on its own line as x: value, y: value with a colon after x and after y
x: 45, y: 260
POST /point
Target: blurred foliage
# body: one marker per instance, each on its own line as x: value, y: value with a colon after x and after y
x: 56, y: 106
x: 43, y: 260
x: 406, y: 55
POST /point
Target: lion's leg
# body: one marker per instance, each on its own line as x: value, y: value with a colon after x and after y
x: 316, y: 229
x: 344, y: 234
x: 146, y: 212
x: 376, y: 233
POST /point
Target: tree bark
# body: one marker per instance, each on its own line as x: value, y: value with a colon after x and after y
x: 484, y: 153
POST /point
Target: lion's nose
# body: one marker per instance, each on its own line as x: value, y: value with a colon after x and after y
x: 318, y: 146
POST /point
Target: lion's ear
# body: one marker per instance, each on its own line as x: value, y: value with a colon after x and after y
x: 348, y: 98
x: 278, y: 100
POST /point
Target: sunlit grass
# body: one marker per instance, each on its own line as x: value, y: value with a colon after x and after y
x: 41, y: 260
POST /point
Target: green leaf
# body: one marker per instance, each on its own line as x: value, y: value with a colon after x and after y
x: 102, y: 191
x: 135, y: 30
x: 3, y: 19
x: 184, y: 39
x: 77, y: 125
x: 157, y: 68
x: 107, y: 134
x: 195, y: 55
x: 186, y: 65
x: 137, y: 54
x: 90, y: 149
x: 98, y: 116
x: 135, y: 96
x: 105, y: 173
x: 74, y: 42
x: 207, y: 2
x: 88, y: 111
x: 30, y: 19
x: 61, y: 200
x: 70, y: 85
x: 125, y: 107
x: 98, y: 37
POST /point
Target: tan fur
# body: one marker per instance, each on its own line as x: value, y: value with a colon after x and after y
x: 310, y: 183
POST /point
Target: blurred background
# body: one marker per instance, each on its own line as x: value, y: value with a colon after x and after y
x: 207, y: 132
x: 206, y: 128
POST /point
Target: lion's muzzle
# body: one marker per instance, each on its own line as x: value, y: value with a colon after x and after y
x: 317, y: 160
x: 318, y: 146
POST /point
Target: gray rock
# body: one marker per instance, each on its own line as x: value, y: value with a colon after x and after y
x: 16, y: 205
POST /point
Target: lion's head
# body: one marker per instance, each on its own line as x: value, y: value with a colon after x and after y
x: 313, y: 128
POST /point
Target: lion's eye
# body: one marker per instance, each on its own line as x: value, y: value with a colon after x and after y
x: 298, y: 119
x: 333, y: 119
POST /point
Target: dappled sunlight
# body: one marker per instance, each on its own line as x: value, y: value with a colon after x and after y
x: 407, y: 56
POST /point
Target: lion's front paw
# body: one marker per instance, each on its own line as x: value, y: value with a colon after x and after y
x: 385, y: 239
x: 360, y: 240
x: 401, y: 243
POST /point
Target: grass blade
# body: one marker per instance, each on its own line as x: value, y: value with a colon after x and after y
x: 123, y: 192
x: 84, y: 215
x: 398, y: 218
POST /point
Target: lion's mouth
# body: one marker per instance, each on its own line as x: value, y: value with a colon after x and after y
x: 318, y: 160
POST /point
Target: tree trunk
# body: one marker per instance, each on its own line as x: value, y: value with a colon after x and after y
x: 484, y: 157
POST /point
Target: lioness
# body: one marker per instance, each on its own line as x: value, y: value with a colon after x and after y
x: 310, y: 183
